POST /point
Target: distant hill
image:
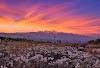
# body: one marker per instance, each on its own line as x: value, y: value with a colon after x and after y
x: 95, y: 35
x: 50, y: 36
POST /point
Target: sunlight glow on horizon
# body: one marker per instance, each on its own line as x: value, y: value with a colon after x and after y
x: 37, y: 17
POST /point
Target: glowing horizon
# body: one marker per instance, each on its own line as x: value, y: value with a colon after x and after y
x: 33, y: 16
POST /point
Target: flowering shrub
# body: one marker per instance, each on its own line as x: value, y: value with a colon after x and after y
x: 48, y: 57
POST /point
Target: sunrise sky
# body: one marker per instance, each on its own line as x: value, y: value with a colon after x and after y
x: 70, y: 16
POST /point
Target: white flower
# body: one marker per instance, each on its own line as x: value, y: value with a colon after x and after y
x: 44, y: 59
x: 77, y: 65
x: 59, y: 62
x: 3, y: 67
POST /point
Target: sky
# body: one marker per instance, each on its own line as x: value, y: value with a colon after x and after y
x: 69, y: 16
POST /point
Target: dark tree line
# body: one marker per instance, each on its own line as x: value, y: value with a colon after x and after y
x: 97, y: 41
x: 21, y: 40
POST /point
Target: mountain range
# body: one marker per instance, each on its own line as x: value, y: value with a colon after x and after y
x: 50, y: 36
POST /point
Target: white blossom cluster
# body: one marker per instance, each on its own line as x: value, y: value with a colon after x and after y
x: 49, y: 57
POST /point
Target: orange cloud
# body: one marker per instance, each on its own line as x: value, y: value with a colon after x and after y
x: 39, y: 18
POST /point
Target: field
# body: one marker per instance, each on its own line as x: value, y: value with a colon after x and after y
x: 17, y: 54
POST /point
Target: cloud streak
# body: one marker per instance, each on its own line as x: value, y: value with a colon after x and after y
x: 38, y: 17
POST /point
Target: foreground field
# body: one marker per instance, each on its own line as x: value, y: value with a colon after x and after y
x: 26, y: 55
